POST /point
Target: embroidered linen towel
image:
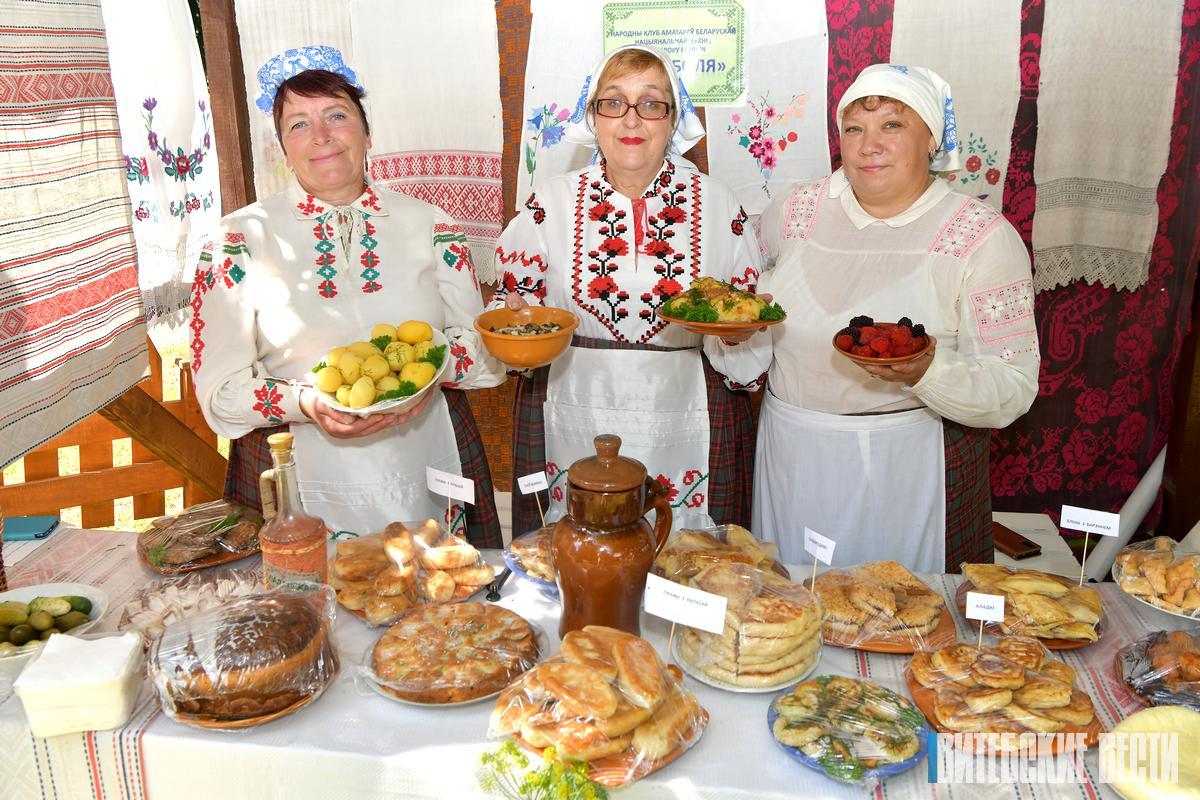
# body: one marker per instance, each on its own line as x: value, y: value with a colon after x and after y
x: 170, y: 156
x: 778, y: 137
x: 1108, y: 73
x: 954, y: 40
x: 72, y: 333
x: 436, y: 120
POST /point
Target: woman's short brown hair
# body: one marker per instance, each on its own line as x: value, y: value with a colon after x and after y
x: 318, y: 83
x: 872, y: 102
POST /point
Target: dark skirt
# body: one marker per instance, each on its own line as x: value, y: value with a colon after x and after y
x: 968, y: 495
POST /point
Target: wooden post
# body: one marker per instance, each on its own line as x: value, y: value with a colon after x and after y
x: 1181, y: 477
x: 227, y: 92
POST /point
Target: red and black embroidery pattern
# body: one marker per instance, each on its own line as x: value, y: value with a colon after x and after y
x: 603, y: 287
x: 539, y: 213
x: 660, y: 231
x: 529, y: 282
x: 738, y: 226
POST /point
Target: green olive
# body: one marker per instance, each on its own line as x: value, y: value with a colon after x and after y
x: 41, y: 620
x: 46, y: 634
x: 4, y: 631
x: 20, y: 634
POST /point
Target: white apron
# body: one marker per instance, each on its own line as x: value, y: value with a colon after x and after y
x: 841, y: 475
x: 655, y: 401
x: 363, y: 484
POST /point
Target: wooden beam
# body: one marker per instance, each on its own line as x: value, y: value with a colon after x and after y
x: 227, y: 92
x: 137, y: 413
x: 50, y: 495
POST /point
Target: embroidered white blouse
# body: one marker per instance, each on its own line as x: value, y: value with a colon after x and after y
x: 290, y: 277
x: 948, y: 262
x: 581, y: 245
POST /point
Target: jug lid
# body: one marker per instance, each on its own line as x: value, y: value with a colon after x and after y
x: 607, y: 471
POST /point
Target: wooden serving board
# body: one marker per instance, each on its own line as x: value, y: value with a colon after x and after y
x: 960, y: 601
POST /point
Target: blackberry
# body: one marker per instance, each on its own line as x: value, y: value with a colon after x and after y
x: 918, y: 330
x: 861, y: 321
x: 851, y: 332
x: 906, y: 322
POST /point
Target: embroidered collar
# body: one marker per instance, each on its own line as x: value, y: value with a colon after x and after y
x: 306, y: 206
x: 661, y: 180
x: 839, y: 187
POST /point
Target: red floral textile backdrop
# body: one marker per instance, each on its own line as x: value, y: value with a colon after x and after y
x: 1109, y: 357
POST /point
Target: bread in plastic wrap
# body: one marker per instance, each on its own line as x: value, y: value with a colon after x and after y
x: 1012, y: 686
x: 529, y: 556
x: 606, y: 699
x: 1161, y: 573
x: 455, y: 653
x: 688, y: 551
x: 152, y: 608
x: 203, y: 535
x: 881, y: 604
x: 381, y: 576
x: 250, y: 658
x: 1163, y: 669
x: 772, y: 633
x: 1039, y: 604
x: 853, y: 730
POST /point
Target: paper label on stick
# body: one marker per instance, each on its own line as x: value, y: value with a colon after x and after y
x: 683, y: 604
x: 818, y: 546
x: 1089, y: 521
x: 987, y: 607
x: 533, y: 482
x: 447, y: 484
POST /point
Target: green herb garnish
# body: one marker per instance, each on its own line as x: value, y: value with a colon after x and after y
x: 223, y: 524
x: 155, y: 554
x: 771, y: 312
x: 503, y: 774
x: 381, y: 342
x: 407, y: 389
x: 320, y: 366
x: 435, y: 356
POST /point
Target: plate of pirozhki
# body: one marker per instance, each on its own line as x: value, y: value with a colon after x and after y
x: 712, y: 307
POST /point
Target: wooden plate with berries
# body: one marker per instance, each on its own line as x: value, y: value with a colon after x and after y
x: 865, y: 341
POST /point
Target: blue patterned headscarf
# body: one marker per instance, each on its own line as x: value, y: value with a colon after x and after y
x: 922, y: 90
x: 291, y: 63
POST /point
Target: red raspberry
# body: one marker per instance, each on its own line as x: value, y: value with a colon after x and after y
x: 920, y: 342
x: 862, y: 350
x: 844, y: 341
x: 867, y: 335
x: 900, y: 335
x: 881, y: 345
x: 906, y: 349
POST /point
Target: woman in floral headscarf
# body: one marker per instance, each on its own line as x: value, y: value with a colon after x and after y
x: 612, y: 242
x: 891, y: 461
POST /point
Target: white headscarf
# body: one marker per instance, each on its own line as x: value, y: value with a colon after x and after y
x: 922, y: 90
x: 688, y: 129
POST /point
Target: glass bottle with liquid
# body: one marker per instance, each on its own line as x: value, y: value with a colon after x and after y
x: 293, y: 543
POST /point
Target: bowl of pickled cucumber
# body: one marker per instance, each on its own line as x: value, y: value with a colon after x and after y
x: 32, y: 614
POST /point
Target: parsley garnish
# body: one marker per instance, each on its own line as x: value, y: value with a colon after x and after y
x: 435, y: 356
x: 381, y: 342
x: 773, y: 311
x: 320, y: 366
x: 407, y: 389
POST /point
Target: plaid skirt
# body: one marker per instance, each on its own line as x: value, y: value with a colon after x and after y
x: 731, y: 440
x: 249, y: 456
x: 968, y: 495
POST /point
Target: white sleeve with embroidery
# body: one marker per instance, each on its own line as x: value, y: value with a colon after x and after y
x: 474, y: 367
x: 521, y: 257
x: 234, y: 395
x: 993, y: 377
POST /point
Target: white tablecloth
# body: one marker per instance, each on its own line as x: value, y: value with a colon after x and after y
x: 353, y: 743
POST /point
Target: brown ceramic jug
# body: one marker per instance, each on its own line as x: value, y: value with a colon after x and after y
x: 603, y: 548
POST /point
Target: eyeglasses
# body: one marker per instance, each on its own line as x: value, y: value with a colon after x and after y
x: 647, y: 109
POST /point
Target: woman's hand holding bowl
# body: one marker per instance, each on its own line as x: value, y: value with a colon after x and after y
x: 343, y: 425
x: 906, y: 372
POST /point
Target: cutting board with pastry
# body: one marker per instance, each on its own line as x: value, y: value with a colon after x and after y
x: 1052, y: 608
x: 1013, y: 686
x: 606, y: 699
x: 1162, y: 574
x: 882, y: 607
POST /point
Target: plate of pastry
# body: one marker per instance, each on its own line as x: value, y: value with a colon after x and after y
x: 712, y: 307
x: 1052, y: 608
x: 1161, y: 669
x: 529, y: 557
x: 1160, y: 574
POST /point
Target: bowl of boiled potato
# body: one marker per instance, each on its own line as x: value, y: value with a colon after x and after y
x: 387, y: 374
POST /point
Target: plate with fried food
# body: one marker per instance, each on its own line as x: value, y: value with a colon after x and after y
x: 688, y: 551
x: 1052, y: 608
x: 1160, y: 574
x: 1008, y: 692
x: 712, y: 307
x: 605, y: 699
x: 854, y: 731
x: 1161, y: 669
x: 528, y: 555
x: 381, y: 576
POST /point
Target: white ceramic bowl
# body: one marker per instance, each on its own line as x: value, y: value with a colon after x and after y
x: 26, y: 593
x: 400, y: 404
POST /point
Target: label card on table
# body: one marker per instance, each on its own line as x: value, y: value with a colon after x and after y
x: 533, y: 482
x: 684, y: 605
x: 447, y: 484
x: 986, y: 607
x: 818, y: 546
x: 1089, y: 521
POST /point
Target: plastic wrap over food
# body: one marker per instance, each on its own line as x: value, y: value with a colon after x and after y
x: 772, y: 633
x: 152, y: 608
x: 444, y: 654
x: 204, y: 535
x: 1163, y: 669
x: 854, y: 731
x: 1038, y: 604
x: 1012, y: 686
x: 881, y: 605
x: 606, y: 699
x: 245, y: 661
x: 529, y: 556
x: 688, y: 551
x: 1161, y: 573
x: 381, y: 576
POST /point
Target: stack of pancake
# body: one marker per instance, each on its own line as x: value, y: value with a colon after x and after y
x: 880, y: 600
x: 1156, y: 574
x: 1038, y: 603
x: 689, y: 551
x: 1011, y: 687
x: 772, y: 633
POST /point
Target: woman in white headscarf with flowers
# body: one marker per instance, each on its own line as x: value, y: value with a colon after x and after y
x: 890, y: 461
x: 613, y: 242
x: 319, y: 265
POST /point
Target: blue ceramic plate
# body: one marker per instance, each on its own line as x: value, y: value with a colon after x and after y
x: 878, y: 773
x: 545, y: 587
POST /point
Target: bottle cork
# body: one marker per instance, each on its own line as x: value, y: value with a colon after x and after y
x: 280, y: 442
